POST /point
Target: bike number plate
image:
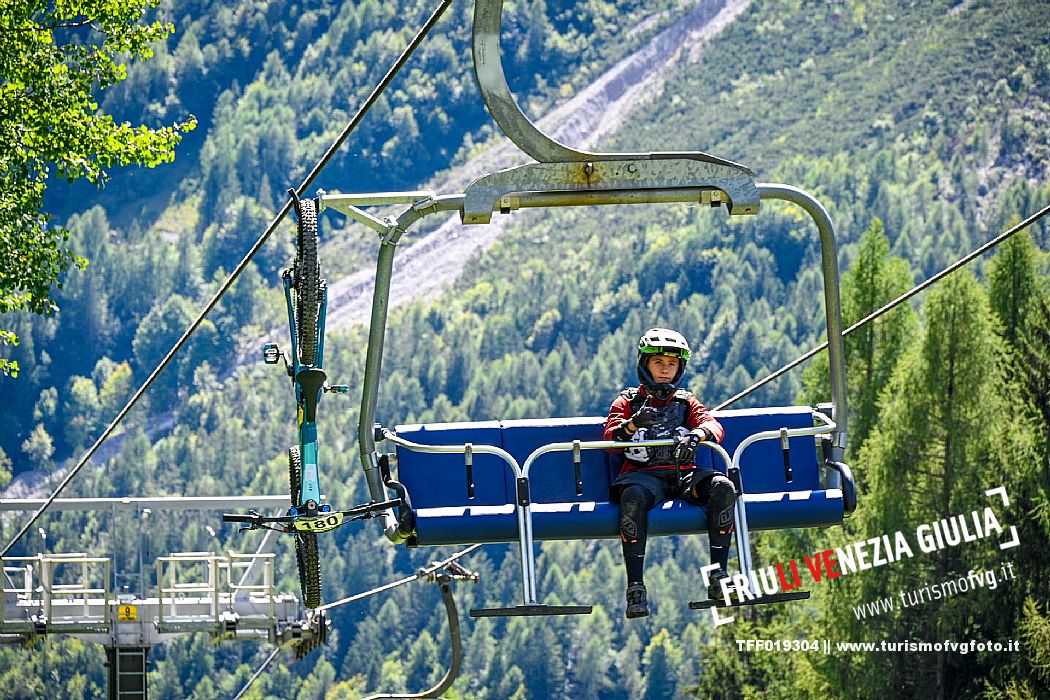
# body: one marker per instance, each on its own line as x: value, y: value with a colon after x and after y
x: 329, y: 521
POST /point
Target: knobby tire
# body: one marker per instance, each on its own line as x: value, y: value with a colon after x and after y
x: 306, y: 556
x: 307, y: 280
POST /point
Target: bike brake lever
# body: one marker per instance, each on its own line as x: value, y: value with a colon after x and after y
x: 255, y: 524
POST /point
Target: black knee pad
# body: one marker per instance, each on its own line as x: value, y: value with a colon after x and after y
x: 721, y: 491
x: 635, y: 502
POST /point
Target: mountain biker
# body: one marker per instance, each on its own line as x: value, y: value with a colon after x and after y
x: 658, y: 409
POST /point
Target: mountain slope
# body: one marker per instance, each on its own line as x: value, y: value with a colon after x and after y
x: 543, y: 322
x: 428, y: 266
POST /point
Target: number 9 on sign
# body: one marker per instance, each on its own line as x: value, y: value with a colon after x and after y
x: 329, y: 521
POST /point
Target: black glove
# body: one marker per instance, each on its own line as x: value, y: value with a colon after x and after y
x: 647, y: 416
x: 685, y: 448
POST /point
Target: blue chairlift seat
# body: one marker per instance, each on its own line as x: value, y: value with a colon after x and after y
x: 446, y: 514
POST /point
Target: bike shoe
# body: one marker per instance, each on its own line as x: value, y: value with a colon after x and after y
x: 714, y: 589
x: 637, y: 604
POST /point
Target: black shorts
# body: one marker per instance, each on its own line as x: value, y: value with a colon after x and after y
x: 665, y: 484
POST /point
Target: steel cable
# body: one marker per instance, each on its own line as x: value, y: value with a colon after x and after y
x: 258, y: 672
x: 358, y: 596
x: 891, y: 305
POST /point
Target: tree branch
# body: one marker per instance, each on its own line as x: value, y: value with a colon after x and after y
x: 51, y: 27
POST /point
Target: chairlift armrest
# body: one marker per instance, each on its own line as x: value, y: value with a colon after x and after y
x: 848, y: 486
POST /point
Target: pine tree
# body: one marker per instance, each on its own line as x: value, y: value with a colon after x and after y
x: 1013, y: 283
x: 1030, y: 509
x: 872, y: 350
x: 1033, y: 366
x: 944, y: 428
x: 661, y: 661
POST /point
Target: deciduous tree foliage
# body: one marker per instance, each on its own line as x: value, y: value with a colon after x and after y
x: 54, y: 59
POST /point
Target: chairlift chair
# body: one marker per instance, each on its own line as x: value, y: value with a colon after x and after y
x: 527, y: 480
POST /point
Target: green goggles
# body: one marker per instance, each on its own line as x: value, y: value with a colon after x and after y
x: 680, y: 353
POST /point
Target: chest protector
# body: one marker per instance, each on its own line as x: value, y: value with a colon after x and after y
x: 672, y: 425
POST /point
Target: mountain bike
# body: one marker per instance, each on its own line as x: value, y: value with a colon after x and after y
x: 306, y: 297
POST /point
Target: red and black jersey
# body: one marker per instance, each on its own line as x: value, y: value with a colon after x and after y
x: 683, y: 414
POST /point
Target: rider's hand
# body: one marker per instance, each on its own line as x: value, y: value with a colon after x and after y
x: 647, y: 416
x: 685, y: 448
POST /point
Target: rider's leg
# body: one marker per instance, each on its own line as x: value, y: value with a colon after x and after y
x: 717, y: 493
x: 635, y: 502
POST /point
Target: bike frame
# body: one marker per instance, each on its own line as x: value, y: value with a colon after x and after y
x: 310, y: 487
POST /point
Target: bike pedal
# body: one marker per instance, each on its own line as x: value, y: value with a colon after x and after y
x: 271, y: 353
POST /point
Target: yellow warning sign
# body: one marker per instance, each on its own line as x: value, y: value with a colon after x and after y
x: 127, y: 613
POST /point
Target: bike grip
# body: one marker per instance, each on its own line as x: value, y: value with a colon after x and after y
x: 238, y: 518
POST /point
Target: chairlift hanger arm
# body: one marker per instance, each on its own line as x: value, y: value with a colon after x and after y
x: 565, y: 169
x: 492, y: 82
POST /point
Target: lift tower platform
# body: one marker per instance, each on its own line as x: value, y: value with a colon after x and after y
x: 229, y: 596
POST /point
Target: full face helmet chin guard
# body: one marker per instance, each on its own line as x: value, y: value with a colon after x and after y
x: 661, y: 341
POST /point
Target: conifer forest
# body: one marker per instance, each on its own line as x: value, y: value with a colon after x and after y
x: 145, y: 146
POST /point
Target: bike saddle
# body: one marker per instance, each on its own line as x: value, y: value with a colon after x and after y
x: 312, y: 381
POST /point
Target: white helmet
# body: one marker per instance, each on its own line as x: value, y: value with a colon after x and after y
x: 661, y: 341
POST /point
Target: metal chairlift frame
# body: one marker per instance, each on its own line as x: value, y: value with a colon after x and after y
x: 562, y: 177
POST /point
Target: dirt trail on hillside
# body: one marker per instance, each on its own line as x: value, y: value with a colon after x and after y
x: 426, y: 267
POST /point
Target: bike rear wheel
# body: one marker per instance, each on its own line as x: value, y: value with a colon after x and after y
x: 307, y: 282
x: 306, y: 556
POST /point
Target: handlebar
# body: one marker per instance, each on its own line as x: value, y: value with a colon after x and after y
x: 372, y: 506
x: 256, y: 520
x: 240, y: 518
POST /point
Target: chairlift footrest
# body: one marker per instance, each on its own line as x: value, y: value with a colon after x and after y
x: 760, y: 600
x: 532, y: 610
